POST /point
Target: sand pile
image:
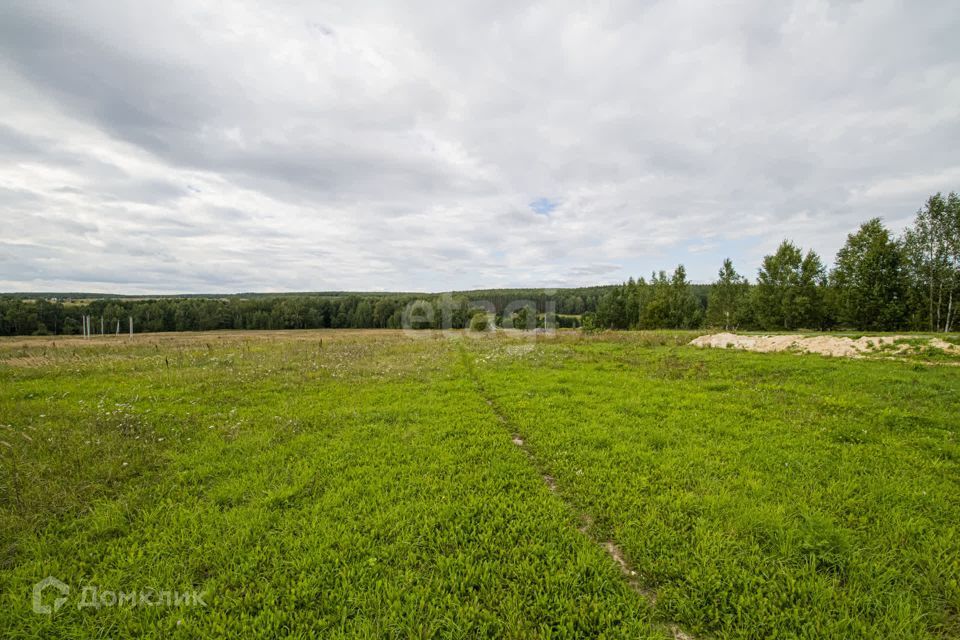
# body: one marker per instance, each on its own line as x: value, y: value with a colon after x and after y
x: 824, y: 345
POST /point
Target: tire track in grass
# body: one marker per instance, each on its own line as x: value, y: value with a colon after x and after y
x: 586, y: 520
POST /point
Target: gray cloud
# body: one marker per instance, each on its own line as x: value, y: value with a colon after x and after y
x: 362, y: 146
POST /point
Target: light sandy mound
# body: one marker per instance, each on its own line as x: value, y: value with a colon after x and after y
x: 825, y: 345
x: 943, y: 344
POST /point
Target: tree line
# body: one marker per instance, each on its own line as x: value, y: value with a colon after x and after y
x: 879, y: 282
x: 53, y: 314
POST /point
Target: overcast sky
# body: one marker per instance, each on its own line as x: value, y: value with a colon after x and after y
x: 237, y: 146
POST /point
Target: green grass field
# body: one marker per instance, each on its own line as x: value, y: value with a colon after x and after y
x: 370, y: 484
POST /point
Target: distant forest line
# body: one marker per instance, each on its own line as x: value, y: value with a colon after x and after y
x: 878, y: 282
x: 61, y: 314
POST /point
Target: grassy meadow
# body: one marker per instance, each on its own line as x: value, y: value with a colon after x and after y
x: 374, y: 484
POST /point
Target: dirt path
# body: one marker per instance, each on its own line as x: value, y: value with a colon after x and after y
x: 585, y: 519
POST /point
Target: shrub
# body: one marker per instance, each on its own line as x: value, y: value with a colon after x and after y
x: 479, y: 322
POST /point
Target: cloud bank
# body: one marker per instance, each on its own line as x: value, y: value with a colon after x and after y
x: 238, y: 146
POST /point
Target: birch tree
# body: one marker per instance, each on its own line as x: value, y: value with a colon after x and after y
x: 932, y: 248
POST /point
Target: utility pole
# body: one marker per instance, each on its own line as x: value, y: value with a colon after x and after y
x: 101, y: 326
x: 131, y: 326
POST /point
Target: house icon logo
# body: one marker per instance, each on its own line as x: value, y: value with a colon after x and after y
x: 40, y: 587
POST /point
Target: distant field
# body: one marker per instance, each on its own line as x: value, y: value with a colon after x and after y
x: 373, y: 484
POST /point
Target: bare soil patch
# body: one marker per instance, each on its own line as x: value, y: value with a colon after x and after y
x: 839, y: 346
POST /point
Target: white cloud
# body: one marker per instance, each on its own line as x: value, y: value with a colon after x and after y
x: 237, y: 146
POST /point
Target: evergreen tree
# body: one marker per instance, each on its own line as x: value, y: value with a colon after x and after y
x: 810, y: 303
x: 728, y: 298
x: 670, y: 303
x: 656, y: 312
x: 685, y: 310
x: 612, y: 311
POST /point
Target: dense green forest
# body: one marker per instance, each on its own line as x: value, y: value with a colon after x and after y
x: 878, y: 282
x: 62, y: 314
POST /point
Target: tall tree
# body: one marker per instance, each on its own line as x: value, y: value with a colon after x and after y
x: 810, y: 301
x: 932, y: 249
x: 686, y: 312
x: 670, y: 303
x: 631, y: 302
x: 953, y: 244
x: 612, y: 310
x: 728, y: 298
x: 789, y: 291
x: 868, y: 280
x: 656, y: 312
